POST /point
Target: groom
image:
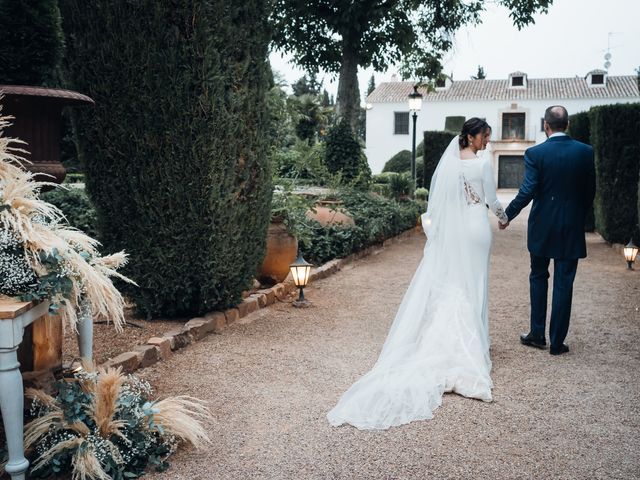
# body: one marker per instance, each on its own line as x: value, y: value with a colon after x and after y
x: 560, y: 179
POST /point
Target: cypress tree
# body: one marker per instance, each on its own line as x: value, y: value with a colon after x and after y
x: 175, y: 149
x: 344, y: 154
x: 31, y: 42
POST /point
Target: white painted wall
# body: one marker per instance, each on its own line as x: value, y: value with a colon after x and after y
x: 382, y: 144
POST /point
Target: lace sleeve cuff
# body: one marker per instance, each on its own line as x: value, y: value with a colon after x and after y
x: 500, y: 213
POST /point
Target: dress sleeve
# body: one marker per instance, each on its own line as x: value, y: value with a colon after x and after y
x: 491, y: 197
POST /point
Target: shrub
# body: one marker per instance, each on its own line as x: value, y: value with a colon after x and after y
x: 176, y: 147
x: 401, y: 185
x: 400, y: 162
x: 344, y: 156
x: 302, y: 162
x: 435, y: 143
x: 76, y: 206
x: 384, y: 177
x: 292, y: 209
x: 614, y: 135
x: 421, y: 194
x: 381, y: 189
x: 638, y: 239
x: 31, y: 42
x: 579, y: 130
x: 376, y: 219
x: 579, y: 127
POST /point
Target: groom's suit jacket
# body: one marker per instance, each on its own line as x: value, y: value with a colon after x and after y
x: 560, y: 179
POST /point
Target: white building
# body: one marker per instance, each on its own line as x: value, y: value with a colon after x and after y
x: 514, y: 108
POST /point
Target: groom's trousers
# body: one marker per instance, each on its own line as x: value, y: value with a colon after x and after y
x: 564, y: 272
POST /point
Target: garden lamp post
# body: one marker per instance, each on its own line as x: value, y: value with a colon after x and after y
x: 630, y: 253
x: 415, y: 104
x: 300, y: 270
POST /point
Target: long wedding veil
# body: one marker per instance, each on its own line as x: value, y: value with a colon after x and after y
x: 443, y: 283
x: 438, y: 340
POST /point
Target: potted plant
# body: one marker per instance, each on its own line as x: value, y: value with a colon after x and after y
x: 289, y: 226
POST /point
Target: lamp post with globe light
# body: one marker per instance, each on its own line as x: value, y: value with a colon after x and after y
x: 415, y: 105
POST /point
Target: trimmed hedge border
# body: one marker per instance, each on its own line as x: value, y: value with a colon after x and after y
x: 197, y: 328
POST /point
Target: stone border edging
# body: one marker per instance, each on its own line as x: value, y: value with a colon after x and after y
x: 197, y: 328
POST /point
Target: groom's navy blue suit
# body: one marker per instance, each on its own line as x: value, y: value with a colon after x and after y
x: 560, y: 179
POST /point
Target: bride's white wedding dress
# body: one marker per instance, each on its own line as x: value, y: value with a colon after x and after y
x: 439, y: 340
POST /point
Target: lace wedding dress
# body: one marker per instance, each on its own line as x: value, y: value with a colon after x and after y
x: 439, y: 340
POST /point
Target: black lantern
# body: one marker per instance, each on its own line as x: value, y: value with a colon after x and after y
x: 300, y: 270
x: 415, y: 104
x: 630, y: 253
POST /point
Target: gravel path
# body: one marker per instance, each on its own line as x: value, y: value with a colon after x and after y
x: 271, y: 379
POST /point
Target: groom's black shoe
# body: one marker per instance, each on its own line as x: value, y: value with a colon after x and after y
x: 532, y: 341
x: 564, y: 348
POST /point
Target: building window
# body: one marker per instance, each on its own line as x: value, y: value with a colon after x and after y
x: 597, y: 79
x: 401, y: 123
x: 453, y: 124
x: 542, y: 124
x: 513, y: 126
x: 517, y: 81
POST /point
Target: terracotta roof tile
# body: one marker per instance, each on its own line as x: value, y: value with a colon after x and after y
x: 536, y: 89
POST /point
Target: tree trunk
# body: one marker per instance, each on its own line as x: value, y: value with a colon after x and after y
x: 348, y: 101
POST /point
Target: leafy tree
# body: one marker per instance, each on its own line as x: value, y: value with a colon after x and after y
x: 312, y: 117
x: 339, y: 36
x: 307, y: 85
x: 326, y: 100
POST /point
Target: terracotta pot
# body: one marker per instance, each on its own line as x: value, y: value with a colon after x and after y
x: 37, y: 122
x: 325, y: 215
x: 282, y: 248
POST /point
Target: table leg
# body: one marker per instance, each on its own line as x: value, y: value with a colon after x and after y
x: 85, y: 336
x: 12, y: 404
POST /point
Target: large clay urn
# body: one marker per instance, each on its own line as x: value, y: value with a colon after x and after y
x: 282, y: 249
x: 36, y: 121
x: 327, y: 213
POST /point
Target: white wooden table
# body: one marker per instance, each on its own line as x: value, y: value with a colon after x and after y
x: 14, y: 318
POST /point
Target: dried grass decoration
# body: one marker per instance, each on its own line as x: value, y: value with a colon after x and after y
x: 103, y: 426
x: 65, y: 266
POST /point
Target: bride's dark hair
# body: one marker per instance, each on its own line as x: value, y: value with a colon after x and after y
x: 472, y: 127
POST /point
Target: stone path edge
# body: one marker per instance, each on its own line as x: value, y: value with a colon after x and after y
x: 197, y: 328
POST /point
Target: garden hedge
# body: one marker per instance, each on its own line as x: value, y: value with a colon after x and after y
x: 579, y: 127
x: 376, y: 219
x: 175, y: 149
x: 76, y: 206
x: 614, y: 136
x: 31, y: 42
x: 435, y: 143
x: 579, y: 130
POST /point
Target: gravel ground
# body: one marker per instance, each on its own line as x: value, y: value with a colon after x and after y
x: 271, y: 379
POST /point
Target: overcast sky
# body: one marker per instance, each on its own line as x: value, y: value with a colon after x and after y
x: 570, y: 40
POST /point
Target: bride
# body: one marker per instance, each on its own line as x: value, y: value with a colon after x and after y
x: 439, y: 340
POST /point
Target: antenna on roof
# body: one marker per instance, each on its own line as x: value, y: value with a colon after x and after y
x: 607, y: 55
